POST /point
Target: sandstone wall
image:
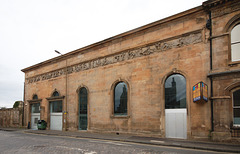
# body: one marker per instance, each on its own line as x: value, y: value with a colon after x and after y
x: 11, y: 118
x: 143, y: 59
x: 225, y: 73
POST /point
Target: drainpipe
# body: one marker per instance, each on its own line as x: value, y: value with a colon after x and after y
x: 66, y: 113
x: 209, y: 26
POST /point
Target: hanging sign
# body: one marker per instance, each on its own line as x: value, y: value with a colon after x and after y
x: 200, y: 92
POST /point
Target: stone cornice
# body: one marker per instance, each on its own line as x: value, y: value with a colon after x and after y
x: 212, y: 3
x: 153, y: 48
x: 235, y: 6
x: 55, y: 98
x: 125, y: 34
x: 221, y: 7
x: 34, y: 100
x: 220, y: 97
x: 213, y: 74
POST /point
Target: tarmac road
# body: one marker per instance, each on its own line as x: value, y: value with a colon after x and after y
x: 19, y: 142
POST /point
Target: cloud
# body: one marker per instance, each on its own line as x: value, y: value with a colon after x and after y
x: 32, y: 30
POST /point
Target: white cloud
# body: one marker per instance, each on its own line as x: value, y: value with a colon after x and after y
x: 31, y: 30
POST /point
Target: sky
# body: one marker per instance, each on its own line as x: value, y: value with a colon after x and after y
x: 30, y: 30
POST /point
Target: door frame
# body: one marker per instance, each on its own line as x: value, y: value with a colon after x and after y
x: 55, y: 113
x: 30, y: 102
x: 34, y: 114
x: 162, y: 100
x: 52, y: 99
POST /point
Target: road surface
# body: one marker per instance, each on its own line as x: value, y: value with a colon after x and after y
x: 18, y: 142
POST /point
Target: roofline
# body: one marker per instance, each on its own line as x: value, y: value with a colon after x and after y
x: 161, y: 21
x: 212, y: 3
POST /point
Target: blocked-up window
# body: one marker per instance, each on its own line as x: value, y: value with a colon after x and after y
x: 235, y: 43
x: 236, y: 108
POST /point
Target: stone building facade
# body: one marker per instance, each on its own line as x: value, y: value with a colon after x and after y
x: 141, y: 81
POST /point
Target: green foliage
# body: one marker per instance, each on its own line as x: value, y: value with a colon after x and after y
x: 16, y: 104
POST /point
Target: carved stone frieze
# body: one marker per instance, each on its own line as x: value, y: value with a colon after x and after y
x: 122, y: 56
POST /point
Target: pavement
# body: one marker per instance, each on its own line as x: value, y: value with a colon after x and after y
x: 192, y: 144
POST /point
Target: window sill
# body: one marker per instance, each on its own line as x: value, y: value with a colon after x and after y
x: 236, y: 127
x: 231, y: 63
x: 120, y: 116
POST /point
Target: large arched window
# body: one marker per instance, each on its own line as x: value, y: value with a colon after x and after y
x: 120, y: 98
x: 236, y: 108
x: 83, y: 100
x: 235, y: 43
x: 83, y: 109
x: 175, y: 92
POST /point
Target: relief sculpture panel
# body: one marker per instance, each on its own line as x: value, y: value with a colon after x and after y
x: 123, y: 56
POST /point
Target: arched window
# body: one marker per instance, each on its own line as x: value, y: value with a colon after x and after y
x: 55, y: 94
x: 35, y: 97
x: 236, y: 108
x: 235, y: 43
x: 120, y: 98
x: 83, y: 100
x: 175, y: 92
x: 83, y: 108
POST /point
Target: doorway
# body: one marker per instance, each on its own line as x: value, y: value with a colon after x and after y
x: 56, y: 115
x: 35, y: 115
x: 175, y: 107
x: 83, y: 109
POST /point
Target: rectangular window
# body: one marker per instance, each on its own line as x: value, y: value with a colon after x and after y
x: 36, y: 108
x: 235, y: 52
x: 56, y: 106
